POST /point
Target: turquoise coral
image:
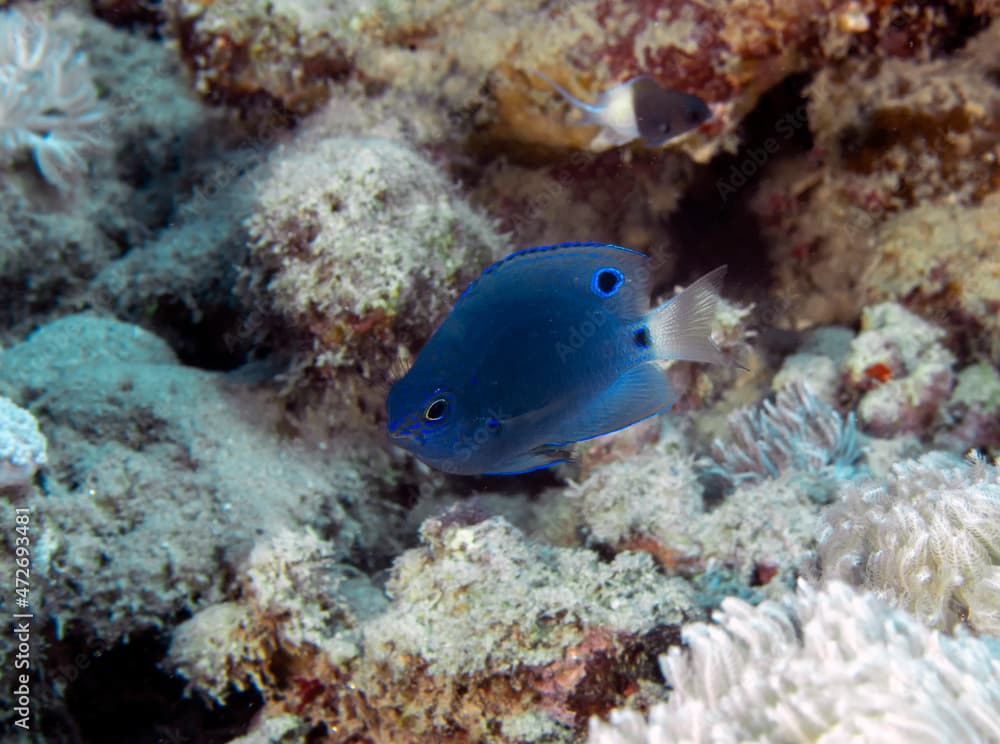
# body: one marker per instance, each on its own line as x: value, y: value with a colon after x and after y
x: 795, y: 431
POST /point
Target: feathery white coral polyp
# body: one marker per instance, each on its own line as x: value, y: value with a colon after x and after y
x: 927, y: 540
x: 48, y: 103
x: 831, y: 665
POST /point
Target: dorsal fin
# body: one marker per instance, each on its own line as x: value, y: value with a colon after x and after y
x: 586, y: 256
x: 554, y: 248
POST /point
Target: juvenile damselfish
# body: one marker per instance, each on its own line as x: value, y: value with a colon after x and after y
x: 638, y: 109
x: 550, y: 346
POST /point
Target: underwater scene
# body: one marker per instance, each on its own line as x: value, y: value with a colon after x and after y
x: 505, y: 371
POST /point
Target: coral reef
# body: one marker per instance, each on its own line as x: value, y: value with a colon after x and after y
x: 825, y: 665
x: 953, y: 278
x: 901, y: 369
x: 817, y: 363
x: 794, y: 432
x: 283, y: 198
x: 971, y: 417
x: 157, y: 135
x: 927, y: 540
x: 555, y: 635
x: 473, y: 61
x: 893, y: 194
x: 286, y: 53
x: 761, y: 535
x: 160, y: 477
x: 818, y: 372
x: 292, y: 600
x: 179, y: 281
x: 360, y: 246
x: 589, y: 195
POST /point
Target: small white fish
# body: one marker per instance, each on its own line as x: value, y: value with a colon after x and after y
x: 638, y: 109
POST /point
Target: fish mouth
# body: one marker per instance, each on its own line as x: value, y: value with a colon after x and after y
x: 406, y: 436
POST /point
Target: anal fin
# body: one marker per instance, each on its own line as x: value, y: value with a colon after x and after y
x: 538, y: 458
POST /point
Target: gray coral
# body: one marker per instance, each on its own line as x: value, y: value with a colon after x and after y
x: 902, y: 368
x: 486, y: 632
x: 292, y: 598
x: 762, y: 533
x: 158, y: 480
x: 361, y: 237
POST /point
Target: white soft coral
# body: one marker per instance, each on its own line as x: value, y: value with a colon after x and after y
x: 926, y: 540
x: 48, y: 103
x: 830, y: 665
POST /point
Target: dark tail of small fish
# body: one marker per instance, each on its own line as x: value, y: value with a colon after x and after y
x: 681, y: 327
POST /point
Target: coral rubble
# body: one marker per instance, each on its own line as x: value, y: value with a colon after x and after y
x: 902, y: 370
x: 22, y: 445
x: 487, y: 636
x: 158, y: 478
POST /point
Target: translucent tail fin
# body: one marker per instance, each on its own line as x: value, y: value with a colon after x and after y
x: 589, y: 109
x: 680, y: 328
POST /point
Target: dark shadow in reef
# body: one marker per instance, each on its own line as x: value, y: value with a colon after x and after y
x: 122, y: 695
x: 713, y: 223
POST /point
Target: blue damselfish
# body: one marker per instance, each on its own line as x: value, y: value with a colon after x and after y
x: 550, y: 346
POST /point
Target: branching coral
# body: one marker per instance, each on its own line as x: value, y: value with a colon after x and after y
x: 48, y: 103
x: 927, y: 540
x: 831, y: 665
x: 795, y: 431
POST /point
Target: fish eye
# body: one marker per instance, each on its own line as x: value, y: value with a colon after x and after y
x: 606, y: 281
x: 436, y: 409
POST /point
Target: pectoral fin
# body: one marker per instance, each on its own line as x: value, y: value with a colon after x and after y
x: 641, y: 392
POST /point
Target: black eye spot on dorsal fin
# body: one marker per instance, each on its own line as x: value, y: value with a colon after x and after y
x: 606, y: 281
